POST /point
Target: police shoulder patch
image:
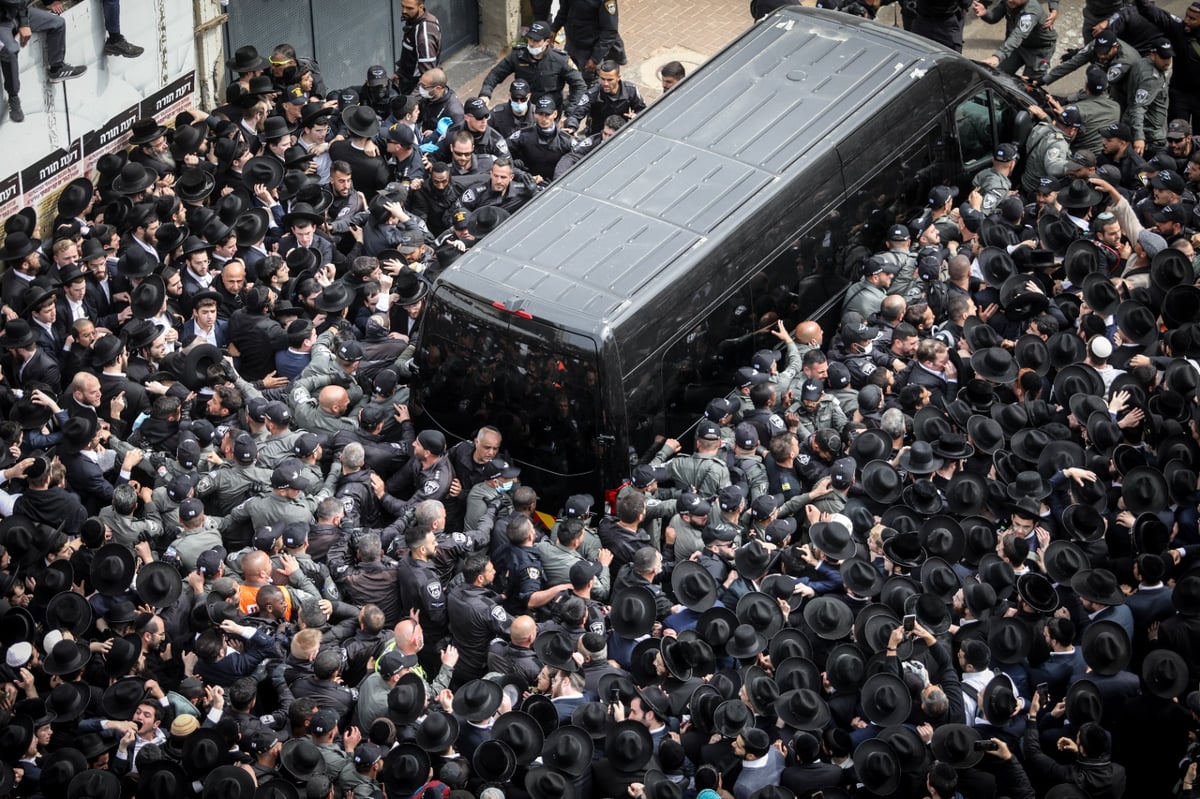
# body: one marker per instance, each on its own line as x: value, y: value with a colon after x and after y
x: 803, y: 458
x: 458, y: 538
x: 431, y: 487
x: 1114, y: 72
x: 1141, y: 97
x: 611, y: 7
x: 1025, y: 23
x: 533, y: 573
x: 868, y: 367
x: 435, y: 590
x: 498, y: 614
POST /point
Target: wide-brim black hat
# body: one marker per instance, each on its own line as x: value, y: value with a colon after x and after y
x: 522, y: 733
x: 437, y: 732
x: 716, y: 626
x: 146, y: 301
x: 406, y: 767
x: 877, y: 766
x: 361, y: 120
x: 1100, y: 294
x: 546, y: 783
x: 1038, y: 592
x: 940, y: 579
x: 985, y: 434
x: 194, y: 185
x: 1144, y: 489
x: 828, y: 617
x: 803, y: 709
x: 1099, y: 586
x: 870, y: 445
x: 68, y: 700
x: 942, y: 536
x: 995, y: 364
x: 996, y: 265
x: 1170, y: 268
x: 1082, y: 258
x: 860, y: 577
x: 1137, y: 322
x: 122, y: 656
x: 409, y: 287
x: 1009, y: 639
x: 335, y: 298
x: 122, y: 698
x: 1018, y: 301
x: 881, y: 482
x: 629, y: 746
x: 1106, y: 647
x: 760, y: 611
x: 1077, y: 378
x: 16, y: 625
x: 873, y: 625
x: 195, y: 365
x: 17, y: 246
x: 69, y: 611
x: 112, y: 569
x: 886, y: 700
x: 930, y: 423
x: 159, y: 584
x: 478, y: 700
x: 406, y: 699
x: 66, y: 657
x: 94, y: 784
x: 1084, y: 703
x: 1181, y: 305
x: 569, y: 750
x: 226, y: 782
x: 790, y: 674
x: 17, y: 334
x: 266, y: 170
x: 133, y: 179
x: 1165, y: 673
x: 752, y: 560
x: 919, y: 459
x: 904, y: 549
x: 633, y: 612
x: 746, y: 642
x: 554, y: 649
x: 955, y: 744
x: 301, y: 212
x: 694, y: 587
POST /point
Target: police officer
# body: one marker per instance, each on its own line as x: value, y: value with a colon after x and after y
x: 1117, y: 141
x: 291, y: 500
x: 505, y: 188
x: 478, y: 617
x: 1028, y: 42
x: 1097, y: 109
x: 1146, y: 98
x: 1048, y: 145
x: 818, y: 410
x: 687, y: 526
x: 540, y: 148
x: 866, y: 296
x: 941, y: 21
x: 420, y: 590
x: 545, y: 70
x: 993, y: 183
x: 610, y: 96
x: 476, y: 119
x: 420, y: 45
x: 897, y: 246
x: 427, y: 475
x: 508, y: 118
x: 705, y: 471
x: 818, y: 452
x: 525, y: 589
x: 746, y: 465
x: 564, y: 549
x: 717, y: 553
x: 854, y: 355
x: 592, y: 35
x: 1106, y: 51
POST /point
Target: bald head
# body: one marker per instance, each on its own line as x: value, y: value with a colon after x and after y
x: 334, y: 400
x: 233, y: 276
x: 809, y: 332
x: 256, y: 565
x: 524, y: 629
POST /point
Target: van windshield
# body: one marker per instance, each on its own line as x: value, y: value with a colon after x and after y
x: 538, y: 384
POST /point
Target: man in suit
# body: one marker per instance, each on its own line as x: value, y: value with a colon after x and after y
x: 23, y: 260
x: 80, y: 453
x: 39, y: 307
x: 195, y: 274
x: 205, y: 323
x: 934, y: 371
x: 27, y: 362
x: 1065, y: 659
x: 73, y: 302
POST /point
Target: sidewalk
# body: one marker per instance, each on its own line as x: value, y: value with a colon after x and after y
x: 688, y: 31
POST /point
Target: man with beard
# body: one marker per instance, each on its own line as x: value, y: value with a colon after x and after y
x: 420, y: 45
x: 434, y: 201
x: 150, y: 147
x: 230, y: 288
x: 479, y: 617
x: 347, y: 202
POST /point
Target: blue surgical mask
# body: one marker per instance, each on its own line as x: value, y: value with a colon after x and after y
x: 505, y: 486
x: 535, y: 51
x: 519, y: 108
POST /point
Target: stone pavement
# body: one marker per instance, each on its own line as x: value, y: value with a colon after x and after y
x: 691, y: 31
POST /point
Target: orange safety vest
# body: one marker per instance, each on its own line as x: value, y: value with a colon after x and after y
x: 248, y: 599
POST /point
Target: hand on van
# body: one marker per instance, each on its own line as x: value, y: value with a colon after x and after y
x: 780, y: 332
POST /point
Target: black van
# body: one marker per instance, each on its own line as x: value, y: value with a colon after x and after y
x: 616, y: 304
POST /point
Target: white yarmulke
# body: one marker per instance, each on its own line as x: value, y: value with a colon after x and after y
x: 1101, y: 347
x: 52, y: 638
x: 19, y: 655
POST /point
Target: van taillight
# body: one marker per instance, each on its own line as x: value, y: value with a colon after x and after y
x: 506, y: 309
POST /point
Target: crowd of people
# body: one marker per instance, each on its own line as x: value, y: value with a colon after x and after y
x: 951, y: 552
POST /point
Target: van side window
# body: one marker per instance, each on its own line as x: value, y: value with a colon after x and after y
x: 973, y: 118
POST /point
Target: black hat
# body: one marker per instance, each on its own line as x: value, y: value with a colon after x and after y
x: 66, y: 657
x: 860, y: 577
x: 752, y: 560
x: 870, y: 445
x: 939, y: 578
x: 1165, y: 673
x: 68, y: 700
x: 122, y: 656
x: 1038, y: 592
x: 569, y: 750
x: 17, y: 334
x: 877, y: 766
x: 745, y: 642
x: 886, y: 700
x: 629, y: 746
x: 1009, y: 639
x: 995, y: 364
x: 904, y: 549
x: 693, y: 586
x: 483, y: 221
x: 159, y: 584
x: 69, y: 611
x: 955, y: 744
x: 545, y: 783
x: 406, y: 768
x: 247, y: 59
x: 522, y: 734
x: 996, y: 265
x: 919, y: 459
x: 1063, y: 560
x: 732, y: 717
x: 1144, y: 489
x: 478, y: 700
x: 1106, y: 647
x: 1099, y: 586
x: 633, y: 612
x: 17, y: 246
x: 828, y: 617
x: 122, y: 697
x: 760, y: 611
x: 133, y: 179
x: 437, y: 732
x: 94, y: 784
x: 1137, y: 322
x: 881, y: 481
x: 716, y: 625
x: 803, y: 709
x: 361, y: 120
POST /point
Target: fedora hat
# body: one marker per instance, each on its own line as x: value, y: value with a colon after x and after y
x: 146, y: 301
x: 74, y: 199
x: 17, y: 246
x: 275, y: 127
x: 873, y: 625
x: 942, y: 536
x: 985, y: 434
x: 122, y: 656
x: 1063, y: 560
x: 1065, y: 348
x: 483, y: 221
x: 939, y: 578
x: 716, y: 626
x: 955, y: 744
x: 1137, y: 322
x: 745, y: 642
x: 592, y: 718
x: 262, y: 169
x: 912, y: 752
x: 145, y: 131
x: 788, y: 643
x: 760, y: 611
x: 194, y: 185
x: 66, y: 657
x: 1150, y: 535
x: 752, y: 560
x: 979, y: 334
x: 1038, y: 592
x: 828, y: 617
x: 803, y: 709
x: 409, y: 287
x: 133, y: 179
x: 877, y: 766
x: 996, y: 265
x: 1099, y: 586
x: 732, y: 717
x: 335, y: 298
x: 630, y: 747
x: 886, y: 700
x: 142, y: 333
x: 845, y: 667
x: 68, y: 700
x: 169, y: 238
x: 1031, y: 352
x: 69, y: 611
x: 1170, y: 268
x: 167, y: 778
x: 1165, y: 673
x: 860, y: 577
x: 693, y: 586
x: 922, y: 496
x: 1059, y: 455
x: 1180, y: 305
x: 406, y: 767
x: 881, y: 482
x: 1019, y: 301
x: 870, y: 445
x: 897, y: 590
x: 406, y: 699
x: 833, y: 540
x: 1185, y: 597
x: 94, y: 784
x: 790, y: 674
x: 966, y: 493
x: 437, y: 732
x: 493, y: 763
x: 569, y: 750
x: 195, y: 365
x: 919, y: 459
x: 1144, y: 490
x: 203, y: 751
x: 17, y: 625
x: 361, y: 120
x: 247, y: 59
x: 633, y: 612
x: 1029, y: 483
x: 1100, y: 294
x: 952, y: 446
x: 554, y: 649
x: 1081, y: 258
x: 1077, y: 378
x: 1010, y: 640
x: 1106, y: 648
x: 478, y: 700
x: 1079, y: 194
x: 302, y: 212
x: 545, y: 783
x: 251, y: 225
x: 904, y: 549
x: 15, y: 738
x: 121, y: 699
x: 959, y: 410
x: 680, y: 657
x: 522, y: 734
x: 29, y: 415
x: 159, y: 584
x: 17, y: 335
x: 227, y: 782
x: 1084, y: 703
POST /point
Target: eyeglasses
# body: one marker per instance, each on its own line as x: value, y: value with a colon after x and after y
x: 1175, y: 141
x: 278, y: 63
x: 460, y: 154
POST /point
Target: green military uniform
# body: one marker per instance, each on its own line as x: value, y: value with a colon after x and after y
x: 828, y: 414
x: 1117, y: 68
x: 688, y: 539
x: 128, y: 530
x: 1028, y: 43
x: 272, y: 509
x: 191, y: 543
x: 754, y: 476
x: 1048, y: 150
x: 863, y: 298
x: 275, y: 449
x: 557, y: 561
x: 1146, y: 104
x: 231, y: 484
x: 905, y: 281
x: 1098, y: 112
x: 307, y: 413
x: 993, y: 187
x: 324, y: 368
x: 705, y: 474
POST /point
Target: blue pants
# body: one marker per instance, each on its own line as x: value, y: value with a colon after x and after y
x: 112, y: 17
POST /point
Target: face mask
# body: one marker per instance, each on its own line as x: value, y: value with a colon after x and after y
x: 519, y: 108
x: 535, y: 51
x: 426, y: 94
x: 505, y: 486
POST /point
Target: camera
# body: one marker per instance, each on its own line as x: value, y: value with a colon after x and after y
x: 985, y: 746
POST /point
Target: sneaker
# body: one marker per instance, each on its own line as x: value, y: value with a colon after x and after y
x: 123, y: 47
x: 65, y: 72
x: 15, y: 112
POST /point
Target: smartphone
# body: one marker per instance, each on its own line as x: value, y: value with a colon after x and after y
x: 910, y: 622
x: 614, y: 695
x: 985, y: 746
x: 1043, y: 690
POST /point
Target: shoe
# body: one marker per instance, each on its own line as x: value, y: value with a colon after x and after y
x: 65, y: 72
x: 15, y: 112
x: 123, y: 47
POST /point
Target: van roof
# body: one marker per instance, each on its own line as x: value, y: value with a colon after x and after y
x: 586, y: 252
